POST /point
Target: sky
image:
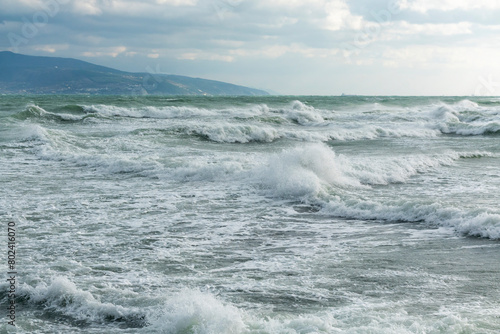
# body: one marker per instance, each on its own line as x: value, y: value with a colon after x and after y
x: 293, y: 47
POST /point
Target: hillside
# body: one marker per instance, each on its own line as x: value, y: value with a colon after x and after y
x: 21, y: 74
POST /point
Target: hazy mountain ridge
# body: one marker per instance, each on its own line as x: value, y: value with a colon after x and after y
x: 21, y: 74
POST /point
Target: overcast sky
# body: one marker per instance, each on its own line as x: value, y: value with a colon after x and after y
x: 318, y: 47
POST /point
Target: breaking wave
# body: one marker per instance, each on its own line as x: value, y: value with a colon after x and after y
x: 296, y: 121
x: 148, y: 112
x: 34, y: 112
x: 196, y: 312
x: 314, y: 174
x: 312, y: 167
x: 61, y: 298
x: 59, y: 145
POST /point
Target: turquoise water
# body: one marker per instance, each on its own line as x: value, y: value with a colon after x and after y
x: 289, y: 214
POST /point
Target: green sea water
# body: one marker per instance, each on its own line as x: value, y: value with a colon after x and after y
x: 277, y: 214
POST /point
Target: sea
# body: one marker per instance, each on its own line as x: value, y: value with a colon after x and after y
x: 273, y: 214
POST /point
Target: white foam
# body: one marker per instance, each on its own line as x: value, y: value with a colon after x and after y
x: 480, y: 223
x: 388, y: 170
x: 464, y: 118
x: 235, y: 133
x: 315, y: 174
x: 476, y: 129
x: 367, y: 317
x: 200, y: 170
x: 302, y: 114
x: 104, y: 163
x: 311, y: 168
x: 465, y: 105
x: 64, y: 296
x: 35, y: 111
x: 360, y: 131
x: 59, y: 145
x: 192, y: 311
x: 195, y: 312
x: 305, y: 170
x: 148, y: 111
x: 33, y: 132
x: 445, y: 113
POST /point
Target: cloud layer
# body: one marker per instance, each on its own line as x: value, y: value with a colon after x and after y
x: 408, y: 47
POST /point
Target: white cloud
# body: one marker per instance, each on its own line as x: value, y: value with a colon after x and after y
x: 332, y: 15
x: 424, y: 6
x: 106, y: 52
x: 284, y: 36
x: 53, y: 48
x: 438, y: 57
x: 292, y: 3
x: 188, y: 56
x: 87, y: 7
x: 439, y: 29
x: 267, y: 52
x: 177, y: 2
x: 273, y: 51
x: 202, y: 55
x: 278, y: 23
x: 276, y: 51
x: 339, y: 16
x: 46, y: 48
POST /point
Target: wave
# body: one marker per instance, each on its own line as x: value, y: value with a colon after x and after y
x: 314, y: 174
x: 202, y: 171
x: 191, y: 311
x: 304, y: 171
x: 478, y: 223
x: 71, y: 108
x: 225, y: 132
x: 309, y: 168
x: 296, y: 112
x: 234, y: 133
x: 34, y: 112
x: 302, y: 114
x: 148, y: 111
x: 62, y: 298
x: 59, y: 145
x: 70, y: 113
x: 297, y: 121
x: 354, y: 123
x: 314, y: 162
x: 466, y: 118
x: 197, y: 312
x: 311, y: 173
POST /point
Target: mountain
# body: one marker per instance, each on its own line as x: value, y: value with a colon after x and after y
x: 21, y: 74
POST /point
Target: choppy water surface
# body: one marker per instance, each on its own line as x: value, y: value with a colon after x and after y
x: 253, y: 215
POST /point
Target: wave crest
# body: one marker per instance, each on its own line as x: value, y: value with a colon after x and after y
x: 62, y: 296
x: 34, y: 112
x: 314, y: 174
x: 195, y: 312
